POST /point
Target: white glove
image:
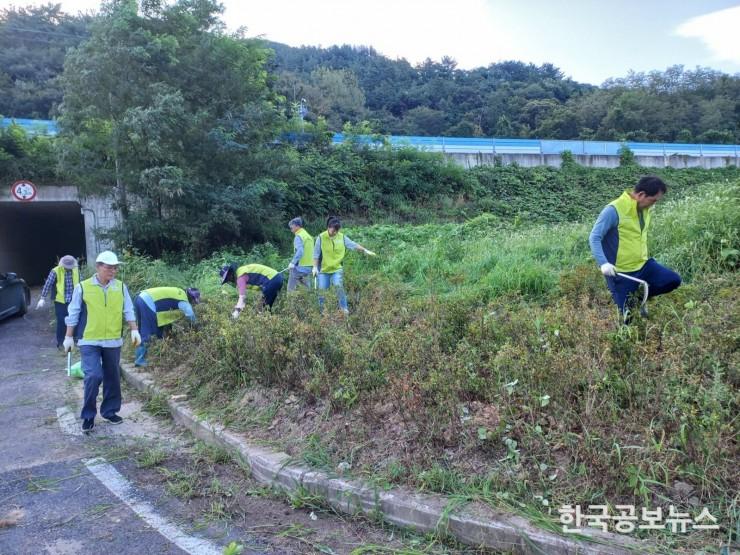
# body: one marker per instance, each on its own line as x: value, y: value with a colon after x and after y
x: 291, y: 266
x: 41, y: 303
x: 135, y: 338
x: 315, y: 271
x: 68, y: 343
x: 236, y: 313
x: 608, y: 269
x: 370, y: 253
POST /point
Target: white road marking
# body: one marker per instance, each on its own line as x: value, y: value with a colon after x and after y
x: 122, y: 488
x: 67, y: 422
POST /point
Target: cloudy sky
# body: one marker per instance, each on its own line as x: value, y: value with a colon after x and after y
x: 589, y: 40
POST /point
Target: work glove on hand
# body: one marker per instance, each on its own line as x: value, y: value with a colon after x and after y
x: 68, y: 343
x: 608, y: 269
x: 135, y: 338
x: 41, y: 303
x: 291, y: 266
x: 315, y: 271
x: 370, y: 253
x: 236, y: 313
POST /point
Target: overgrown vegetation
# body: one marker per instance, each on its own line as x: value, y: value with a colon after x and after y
x: 484, y: 360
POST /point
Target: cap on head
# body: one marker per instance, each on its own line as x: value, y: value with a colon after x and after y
x: 333, y: 221
x: 108, y: 257
x: 68, y: 262
x: 228, y: 272
x: 296, y: 222
x: 193, y: 295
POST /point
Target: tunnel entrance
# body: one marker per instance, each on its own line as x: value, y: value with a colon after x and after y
x: 34, y: 235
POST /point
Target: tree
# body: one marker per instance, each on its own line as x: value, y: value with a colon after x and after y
x: 33, y: 43
x: 336, y: 96
x: 171, y: 116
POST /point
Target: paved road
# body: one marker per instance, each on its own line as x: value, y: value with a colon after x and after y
x: 56, y: 505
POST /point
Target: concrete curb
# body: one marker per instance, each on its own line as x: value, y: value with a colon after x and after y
x: 473, y: 524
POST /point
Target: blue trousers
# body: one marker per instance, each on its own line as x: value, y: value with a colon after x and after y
x: 101, y: 364
x: 659, y: 278
x: 146, y: 319
x: 60, y: 311
x: 336, y: 279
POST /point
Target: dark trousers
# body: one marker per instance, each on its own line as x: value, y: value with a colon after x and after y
x: 659, y: 278
x: 60, y: 310
x: 272, y: 288
x: 101, y: 364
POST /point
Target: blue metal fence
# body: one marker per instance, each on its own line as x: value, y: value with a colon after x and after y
x: 477, y: 145
x: 33, y: 126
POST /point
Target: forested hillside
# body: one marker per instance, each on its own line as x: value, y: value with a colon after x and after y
x: 508, y: 99
x: 33, y: 44
x: 348, y: 83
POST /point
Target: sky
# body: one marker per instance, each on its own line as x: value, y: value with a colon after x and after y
x: 589, y: 40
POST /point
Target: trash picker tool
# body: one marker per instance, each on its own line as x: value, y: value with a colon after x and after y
x: 69, y: 363
x: 643, y: 284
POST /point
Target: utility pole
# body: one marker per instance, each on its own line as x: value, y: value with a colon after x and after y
x: 302, y: 111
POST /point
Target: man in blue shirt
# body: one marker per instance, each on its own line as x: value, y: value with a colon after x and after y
x: 619, y: 245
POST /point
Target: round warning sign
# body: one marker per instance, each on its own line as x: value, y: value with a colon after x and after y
x: 23, y: 191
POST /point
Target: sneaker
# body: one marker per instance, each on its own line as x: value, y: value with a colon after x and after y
x: 87, y: 425
x: 115, y: 419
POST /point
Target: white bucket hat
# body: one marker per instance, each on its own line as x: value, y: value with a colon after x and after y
x: 108, y: 257
x: 68, y: 262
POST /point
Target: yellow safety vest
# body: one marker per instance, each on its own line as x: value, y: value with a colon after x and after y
x: 307, y: 258
x: 60, y: 272
x: 632, y: 252
x: 332, y: 252
x: 104, y: 310
x: 166, y: 300
x: 259, y: 275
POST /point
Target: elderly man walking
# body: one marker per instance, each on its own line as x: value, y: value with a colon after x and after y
x: 62, y: 280
x: 99, y: 306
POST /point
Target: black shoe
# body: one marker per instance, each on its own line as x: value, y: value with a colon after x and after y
x: 115, y: 419
x: 87, y: 425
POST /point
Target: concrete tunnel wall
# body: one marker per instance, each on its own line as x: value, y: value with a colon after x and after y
x: 35, y: 234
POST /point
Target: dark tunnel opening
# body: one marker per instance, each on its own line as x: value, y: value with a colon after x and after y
x: 34, y: 235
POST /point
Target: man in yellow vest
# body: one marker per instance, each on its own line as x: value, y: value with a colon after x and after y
x: 256, y: 277
x: 619, y: 244
x: 157, y: 308
x: 300, y: 264
x: 99, y: 305
x: 328, y: 254
x: 62, y: 279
